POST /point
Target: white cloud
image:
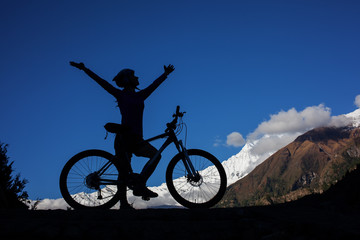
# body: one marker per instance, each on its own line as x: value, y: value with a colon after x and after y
x: 340, y: 121
x: 357, y: 101
x: 271, y: 143
x: 283, y: 127
x: 235, y: 139
x: 293, y: 121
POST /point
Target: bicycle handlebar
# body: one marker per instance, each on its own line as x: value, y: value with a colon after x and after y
x: 178, y: 114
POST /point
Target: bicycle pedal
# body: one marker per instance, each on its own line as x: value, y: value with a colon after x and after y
x: 145, y: 198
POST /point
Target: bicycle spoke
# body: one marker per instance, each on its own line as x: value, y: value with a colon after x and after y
x: 83, y: 183
x: 198, y: 189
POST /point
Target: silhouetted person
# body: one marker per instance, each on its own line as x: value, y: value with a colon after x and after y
x: 131, y: 104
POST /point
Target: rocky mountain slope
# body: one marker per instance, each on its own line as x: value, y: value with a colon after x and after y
x: 310, y: 164
x: 241, y: 164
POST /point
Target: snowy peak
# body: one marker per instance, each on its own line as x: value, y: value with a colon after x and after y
x: 241, y: 164
x: 312, y: 163
x: 354, y: 117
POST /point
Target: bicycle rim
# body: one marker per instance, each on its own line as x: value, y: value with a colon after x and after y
x: 203, y: 192
x: 80, y: 184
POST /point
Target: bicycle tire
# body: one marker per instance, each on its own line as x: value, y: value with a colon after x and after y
x: 73, y: 180
x: 202, y: 194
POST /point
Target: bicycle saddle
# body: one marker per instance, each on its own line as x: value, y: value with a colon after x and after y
x: 115, y: 128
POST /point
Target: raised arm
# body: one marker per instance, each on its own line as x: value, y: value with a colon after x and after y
x: 103, y: 83
x: 151, y: 88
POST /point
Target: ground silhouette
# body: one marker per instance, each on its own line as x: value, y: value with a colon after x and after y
x: 272, y: 222
x: 332, y: 215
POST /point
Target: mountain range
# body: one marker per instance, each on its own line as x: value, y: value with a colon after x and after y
x: 310, y: 164
x: 239, y: 167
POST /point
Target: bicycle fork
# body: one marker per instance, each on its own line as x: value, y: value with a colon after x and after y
x: 192, y: 173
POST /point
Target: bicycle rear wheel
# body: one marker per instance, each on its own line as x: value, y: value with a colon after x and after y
x: 203, y: 191
x: 90, y: 180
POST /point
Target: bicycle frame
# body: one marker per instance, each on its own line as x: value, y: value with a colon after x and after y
x: 96, y: 178
x: 170, y: 138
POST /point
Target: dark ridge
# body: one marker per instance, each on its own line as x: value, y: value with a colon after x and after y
x: 326, y: 216
x: 347, y: 190
x: 324, y: 134
x: 341, y: 198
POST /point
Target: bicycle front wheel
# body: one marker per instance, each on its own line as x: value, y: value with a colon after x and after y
x: 203, y: 191
x: 90, y: 180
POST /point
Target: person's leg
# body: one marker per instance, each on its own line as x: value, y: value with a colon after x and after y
x: 146, y: 150
x: 122, y: 158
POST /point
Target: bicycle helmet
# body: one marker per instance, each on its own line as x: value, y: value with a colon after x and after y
x: 122, y: 78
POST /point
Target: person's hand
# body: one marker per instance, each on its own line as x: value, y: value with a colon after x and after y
x: 80, y: 66
x: 169, y: 69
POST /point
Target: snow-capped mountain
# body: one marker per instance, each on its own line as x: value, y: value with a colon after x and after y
x: 241, y: 164
x: 236, y: 167
x: 354, y: 117
x: 164, y: 199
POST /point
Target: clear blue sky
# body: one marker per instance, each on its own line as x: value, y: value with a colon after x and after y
x: 236, y: 63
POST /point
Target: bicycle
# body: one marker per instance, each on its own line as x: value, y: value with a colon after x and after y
x: 195, y: 178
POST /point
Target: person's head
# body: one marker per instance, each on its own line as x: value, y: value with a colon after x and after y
x: 126, y: 79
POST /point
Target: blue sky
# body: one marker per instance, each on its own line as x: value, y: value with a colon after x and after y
x: 237, y: 62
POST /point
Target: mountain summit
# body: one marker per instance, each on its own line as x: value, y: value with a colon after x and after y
x: 241, y: 164
x: 310, y: 164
